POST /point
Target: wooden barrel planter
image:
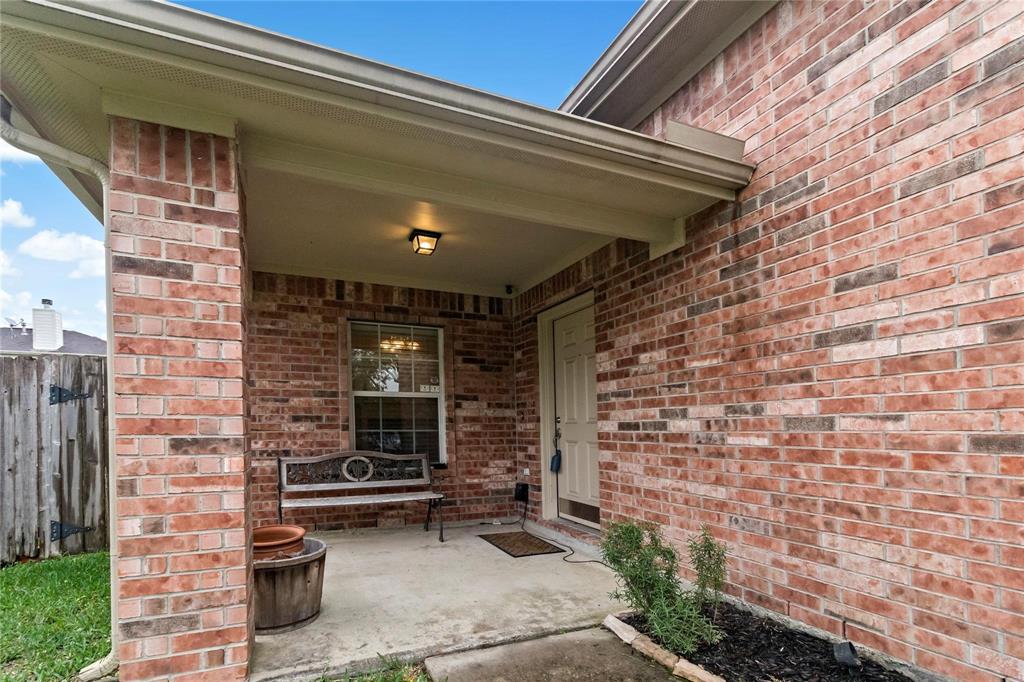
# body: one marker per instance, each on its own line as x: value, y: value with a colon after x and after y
x: 288, y: 590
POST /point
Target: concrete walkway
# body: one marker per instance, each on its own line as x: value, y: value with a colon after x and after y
x: 592, y: 655
x: 402, y: 593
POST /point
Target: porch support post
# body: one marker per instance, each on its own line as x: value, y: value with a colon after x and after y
x: 183, y: 594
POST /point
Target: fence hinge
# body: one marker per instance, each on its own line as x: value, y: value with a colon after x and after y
x: 59, y: 394
x: 60, y: 530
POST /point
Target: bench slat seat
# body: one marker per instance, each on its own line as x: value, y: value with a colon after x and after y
x: 356, y: 470
x: 353, y: 500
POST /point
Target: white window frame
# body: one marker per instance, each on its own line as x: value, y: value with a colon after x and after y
x: 441, y: 397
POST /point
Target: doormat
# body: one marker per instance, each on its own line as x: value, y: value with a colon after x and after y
x: 520, y: 543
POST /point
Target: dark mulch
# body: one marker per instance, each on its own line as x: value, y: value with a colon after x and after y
x: 756, y: 649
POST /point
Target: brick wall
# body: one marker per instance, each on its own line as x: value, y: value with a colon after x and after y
x: 831, y: 371
x: 182, y: 595
x: 590, y: 273
x: 298, y: 369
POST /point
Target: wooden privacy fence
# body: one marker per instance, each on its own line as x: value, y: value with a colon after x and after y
x: 53, y: 454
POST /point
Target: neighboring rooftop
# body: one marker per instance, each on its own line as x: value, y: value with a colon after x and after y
x: 14, y: 341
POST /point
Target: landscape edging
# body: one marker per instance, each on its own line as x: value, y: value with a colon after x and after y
x: 679, y: 666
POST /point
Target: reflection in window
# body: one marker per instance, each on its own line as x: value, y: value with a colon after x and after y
x: 397, y: 394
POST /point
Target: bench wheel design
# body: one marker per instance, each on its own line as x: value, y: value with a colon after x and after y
x: 358, y: 469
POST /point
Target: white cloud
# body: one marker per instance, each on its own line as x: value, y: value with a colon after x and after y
x: 7, y: 268
x: 15, y: 155
x: 17, y: 306
x: 101, y: 305
x: 67, y: 247
x: 13, y: 215
x: 92, y: 267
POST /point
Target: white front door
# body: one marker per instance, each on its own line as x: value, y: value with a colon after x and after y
x: 575, y: 374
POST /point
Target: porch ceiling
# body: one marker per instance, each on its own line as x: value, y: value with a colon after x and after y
x: 360, y: 236
x: 342, y: 156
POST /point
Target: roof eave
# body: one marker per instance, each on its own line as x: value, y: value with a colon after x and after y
x: 673, y: 38
x: 199, y: 36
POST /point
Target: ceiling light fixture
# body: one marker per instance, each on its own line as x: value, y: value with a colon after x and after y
x: 424, y: 242
x: 398, y: 345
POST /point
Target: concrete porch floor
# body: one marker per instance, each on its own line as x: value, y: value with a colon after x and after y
x: 402, y: 593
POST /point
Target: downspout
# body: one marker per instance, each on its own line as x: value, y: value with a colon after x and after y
x: 56, y: 154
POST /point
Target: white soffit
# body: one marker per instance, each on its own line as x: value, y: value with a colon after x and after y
x: 354, y: 235
x: 321, y: 115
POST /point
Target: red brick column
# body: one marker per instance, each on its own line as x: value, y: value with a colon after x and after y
x: 183, y: 591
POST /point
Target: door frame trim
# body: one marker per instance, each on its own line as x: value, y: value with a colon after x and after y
x: 546, y: 360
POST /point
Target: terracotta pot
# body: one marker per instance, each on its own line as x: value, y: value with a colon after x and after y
x: 277, y: 542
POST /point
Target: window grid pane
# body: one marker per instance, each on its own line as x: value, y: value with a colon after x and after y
x: 405, y: 360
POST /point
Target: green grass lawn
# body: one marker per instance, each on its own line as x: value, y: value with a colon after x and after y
x: 393, y: 670
x: 54, y: 616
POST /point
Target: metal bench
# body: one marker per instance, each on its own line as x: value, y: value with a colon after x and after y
x: 353, y: 470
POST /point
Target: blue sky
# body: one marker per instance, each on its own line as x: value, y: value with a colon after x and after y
x: 51, y: 247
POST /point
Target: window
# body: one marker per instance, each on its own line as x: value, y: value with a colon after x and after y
x: 397, y: 389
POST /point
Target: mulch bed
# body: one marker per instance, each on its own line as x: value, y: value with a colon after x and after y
x: 756, y: 649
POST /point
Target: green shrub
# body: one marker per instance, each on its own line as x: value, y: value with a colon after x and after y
x: 646, y: 567
x: 680, y: 625
x: 647, y: 571
x: 708, y: 557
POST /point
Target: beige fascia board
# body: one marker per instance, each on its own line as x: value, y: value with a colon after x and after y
x: 200, y: 38
x: 634, y: 38
x: 652, y: 30
x: 167, y: 113
x: 382, y: 177
x: 681, y: 133
x: 683, y: 75
x: 381, y: 278
x: 678, y: 238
